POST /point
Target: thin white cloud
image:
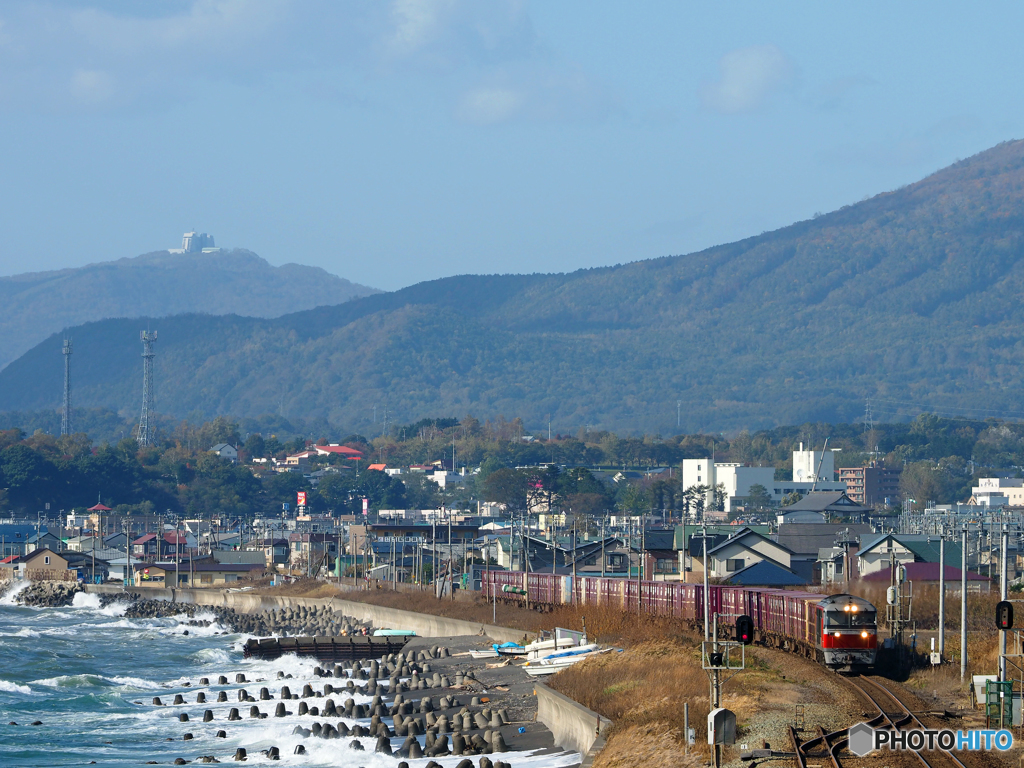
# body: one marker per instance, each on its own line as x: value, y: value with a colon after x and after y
x: 417, y: 23
x: 539, y: 92
x: 748, y: 78
x: 449, y: 34
x: 92, y: 87
x: 486, y: 106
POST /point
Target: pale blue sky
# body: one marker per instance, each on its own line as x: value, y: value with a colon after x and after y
x: 393, y: 142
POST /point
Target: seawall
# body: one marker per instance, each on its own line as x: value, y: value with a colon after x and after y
x: 423, y: 624
x: 573, y: 726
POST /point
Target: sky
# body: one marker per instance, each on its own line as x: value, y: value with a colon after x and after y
x: 395, y: 142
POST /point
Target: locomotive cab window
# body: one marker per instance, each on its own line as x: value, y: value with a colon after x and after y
x: 837, y: 619
x: 862, y: 619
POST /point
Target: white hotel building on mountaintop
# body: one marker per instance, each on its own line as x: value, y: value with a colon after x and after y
x: 738, y: 478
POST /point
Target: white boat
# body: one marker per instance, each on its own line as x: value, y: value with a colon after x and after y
x: 484, y: 654
x: 559, y: 661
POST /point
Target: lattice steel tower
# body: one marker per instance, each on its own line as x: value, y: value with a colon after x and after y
x: 65, y: 415
x: 148, y: 338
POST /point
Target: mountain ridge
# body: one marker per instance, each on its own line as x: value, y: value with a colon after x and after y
x: 159, y: 283
x: 911, y: 295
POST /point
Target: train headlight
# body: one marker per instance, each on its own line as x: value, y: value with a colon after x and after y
x: 846, y: 608
x: 864, y: 634
x: 853, y: 608
x: 837, y: 634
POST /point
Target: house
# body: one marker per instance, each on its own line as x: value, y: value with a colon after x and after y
x: 239, y: 557
x: 44, y: 565
x: 379, y: 467
x: 765, y: 573
x: 816, y: 506
x: 338, y: 450
x: 275, y: 550
x: 118, y: 566
x: 43, y: 540
x: 152, y: 546
x: 225, y: 451
x: 928, y: 573
x: 199, y: 575
x: 878, y: 553
x: 743, y: 550
x: 13, y: 537
x: 309, y: 548
x: 86, y: 566
x: 809, y: 542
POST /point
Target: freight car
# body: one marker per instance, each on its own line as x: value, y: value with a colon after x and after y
x: 838, y: 631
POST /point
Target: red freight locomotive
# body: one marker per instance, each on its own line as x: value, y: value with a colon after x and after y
x: 838, y: 631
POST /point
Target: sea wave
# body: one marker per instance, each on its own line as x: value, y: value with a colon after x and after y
x: 70, y: 681
x: 10, y: 594
x: 26, y: 632
x: 8, y: 687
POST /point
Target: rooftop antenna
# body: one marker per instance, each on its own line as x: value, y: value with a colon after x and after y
x: 148, y: 338
x: 65, y: 416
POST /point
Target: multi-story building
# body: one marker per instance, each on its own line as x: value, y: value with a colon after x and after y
x: 872, y: 484
x: 998, y: 492
x: 811, y: 470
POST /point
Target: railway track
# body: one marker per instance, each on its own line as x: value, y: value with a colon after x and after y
x: 892, y: 714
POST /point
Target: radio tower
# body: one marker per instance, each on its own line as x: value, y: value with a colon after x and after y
x: 148, y: 337
x: 65, y: 416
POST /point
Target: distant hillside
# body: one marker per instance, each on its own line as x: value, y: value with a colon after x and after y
x: 34, y: 305
x: 913, y: 295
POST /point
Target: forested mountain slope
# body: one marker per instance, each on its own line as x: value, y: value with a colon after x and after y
x: 34, y: 305
x: 912, y: 295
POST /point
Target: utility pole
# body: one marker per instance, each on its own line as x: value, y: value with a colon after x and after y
x: 942, y: 595
x: 65, y: 416
x: 603, y: 558
x: 963, y: 608
x: 148, y: 339
x: 1003, y: 596
x: 707, y: 596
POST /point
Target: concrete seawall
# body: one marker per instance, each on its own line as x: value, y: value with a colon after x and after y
x: 574, y: 726
x: 423, y: 624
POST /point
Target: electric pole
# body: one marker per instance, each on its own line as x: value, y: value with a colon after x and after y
x: 963, y: 607
x: 65, y: 416
x: 148, y: 339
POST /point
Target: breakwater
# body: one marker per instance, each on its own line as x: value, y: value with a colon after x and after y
x: 426, y: 625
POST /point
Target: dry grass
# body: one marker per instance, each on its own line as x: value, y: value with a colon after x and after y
x: 642, y: 691
x: 981, y: 608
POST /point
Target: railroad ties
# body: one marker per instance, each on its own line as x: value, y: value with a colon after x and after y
x: 344, y: 648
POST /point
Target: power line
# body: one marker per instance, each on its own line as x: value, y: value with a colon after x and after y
x: 949, y: 411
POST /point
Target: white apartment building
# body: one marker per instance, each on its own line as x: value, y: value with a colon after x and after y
x: 998, y: 492
x: 738, y: 478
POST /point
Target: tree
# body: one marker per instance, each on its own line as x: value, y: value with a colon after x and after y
x: 758, y: 496
x: 255, y: 445
x: 508, y: 487
x: 791, y: 498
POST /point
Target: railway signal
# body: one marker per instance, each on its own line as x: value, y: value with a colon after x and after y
x: 1004, y: 615
x: 745, y: 629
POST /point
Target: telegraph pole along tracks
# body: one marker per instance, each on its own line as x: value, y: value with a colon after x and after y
x: 893, y: 714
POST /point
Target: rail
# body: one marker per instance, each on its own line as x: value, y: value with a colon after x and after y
x: 901, y: 717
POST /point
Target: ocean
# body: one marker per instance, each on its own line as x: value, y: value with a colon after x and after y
x: 89, y: 676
